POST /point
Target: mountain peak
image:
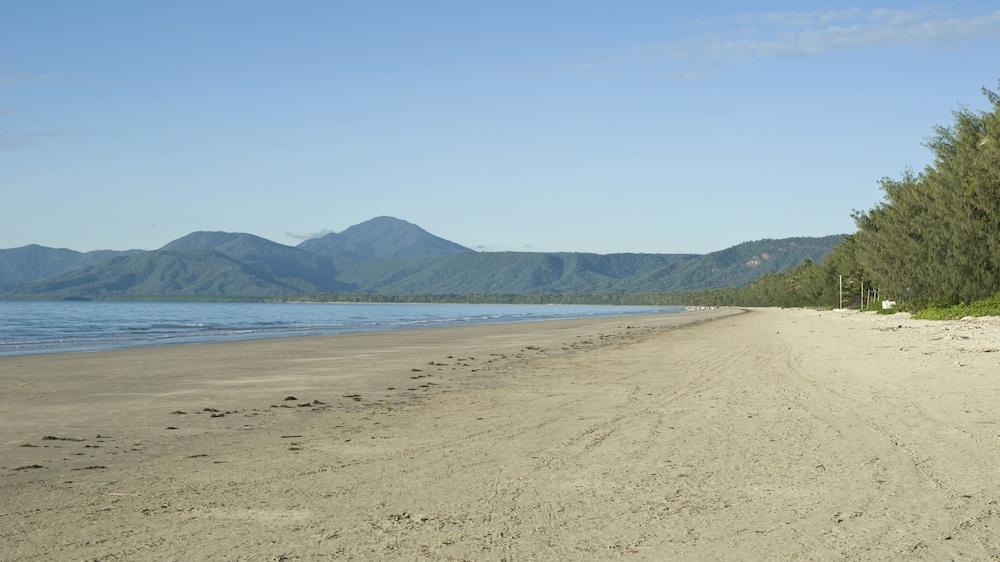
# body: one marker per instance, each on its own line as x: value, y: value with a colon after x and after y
x: 210, y: 240
x: 385, y: 219
x: 383, y: 237
x: 385, y: 224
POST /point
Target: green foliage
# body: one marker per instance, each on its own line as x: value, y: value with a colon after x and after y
x: 932, y: 244
x: 809, y: 284
x: 937, y: 235
x: 989, y: 306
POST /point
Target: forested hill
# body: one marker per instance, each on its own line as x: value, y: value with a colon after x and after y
x: 527, y: 272
x: 34, y: 262
x: 392, y: 257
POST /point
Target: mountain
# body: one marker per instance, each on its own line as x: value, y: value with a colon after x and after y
x: 735, y: 266
x: 382, y: 256
x: 285, y: 265
x: 200, y: 264
x: 34, y: 262
x: 506, y: 272
x: 526, y: 272
x: 162, y: 273
x: 384, y: 238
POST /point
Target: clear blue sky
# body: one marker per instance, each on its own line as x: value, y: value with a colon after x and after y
x: 571, y: 125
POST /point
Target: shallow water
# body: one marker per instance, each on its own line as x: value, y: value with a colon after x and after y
x: 49, y: 327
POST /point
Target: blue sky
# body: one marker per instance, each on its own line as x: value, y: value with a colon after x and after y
x: 590, y: 126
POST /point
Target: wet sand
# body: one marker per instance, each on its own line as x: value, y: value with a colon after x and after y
x: 770, y: 434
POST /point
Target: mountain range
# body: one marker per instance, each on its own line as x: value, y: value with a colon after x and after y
x: 385, y: 256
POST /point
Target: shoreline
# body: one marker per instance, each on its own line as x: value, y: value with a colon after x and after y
x: 759, y: 434
x: 148, y: 377
x: 258, y: 333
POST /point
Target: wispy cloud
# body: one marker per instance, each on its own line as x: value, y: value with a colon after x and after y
x: 323, y: 232
x: 810, y: 33
x: 21, y: 79
x: 13, y: 140
x: 17, y: 137
x: 695, y: 76
x: 506, y: 248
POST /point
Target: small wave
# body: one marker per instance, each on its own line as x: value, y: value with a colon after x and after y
x: 50, y: 327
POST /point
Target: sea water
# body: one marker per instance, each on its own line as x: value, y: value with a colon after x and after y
x: 28, y: 327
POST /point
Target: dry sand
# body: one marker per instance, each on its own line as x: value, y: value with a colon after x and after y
x: 767, y: 435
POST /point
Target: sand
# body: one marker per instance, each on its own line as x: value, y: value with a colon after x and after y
x: 771, y: 434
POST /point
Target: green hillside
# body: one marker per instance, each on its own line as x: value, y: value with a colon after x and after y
x: 505, y: 272
x: 734, y: 266
x: 34, y: 262
x: 285, y: 265
x: 525, y: 272
x: 164, y: 273
x: 389, y: 257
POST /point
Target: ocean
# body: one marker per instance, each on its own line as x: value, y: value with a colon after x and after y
x: 29, y: 327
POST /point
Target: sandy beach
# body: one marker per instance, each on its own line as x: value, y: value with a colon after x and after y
x: 712, y: 435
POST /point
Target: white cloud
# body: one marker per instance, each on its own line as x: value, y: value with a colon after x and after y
x: 814, y: 33
x: 319, y: 234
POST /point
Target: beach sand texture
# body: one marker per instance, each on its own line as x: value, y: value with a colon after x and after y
x: 772, y: 434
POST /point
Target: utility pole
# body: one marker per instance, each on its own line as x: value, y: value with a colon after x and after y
x: 841, y: 291
x: 862, y: 293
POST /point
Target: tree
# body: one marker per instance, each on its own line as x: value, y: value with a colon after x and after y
x: 936, y: 237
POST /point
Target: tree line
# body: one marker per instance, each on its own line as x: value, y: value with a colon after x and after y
x: 933, y: 242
